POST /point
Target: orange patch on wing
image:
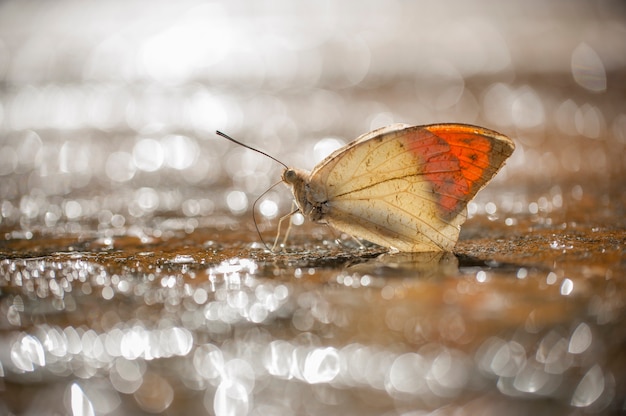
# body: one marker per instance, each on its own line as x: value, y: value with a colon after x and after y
x: 454, y: 162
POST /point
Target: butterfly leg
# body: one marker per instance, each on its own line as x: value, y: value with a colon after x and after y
x: 339, y: 241
x: 361, y: 245
x: 280, y: 222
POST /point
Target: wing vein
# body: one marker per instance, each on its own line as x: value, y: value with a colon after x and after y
x: 407, y: 234
x: 380, y: 183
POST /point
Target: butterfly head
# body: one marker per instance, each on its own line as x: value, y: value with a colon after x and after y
x: 297, y: 181
x: 306, y: 198
x: 290, y: 176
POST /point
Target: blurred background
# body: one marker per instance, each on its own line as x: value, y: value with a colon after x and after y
x: 108, y: 112
x: 124, y: 98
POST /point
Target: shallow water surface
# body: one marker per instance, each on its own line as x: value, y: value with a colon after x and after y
x: 528, y: 315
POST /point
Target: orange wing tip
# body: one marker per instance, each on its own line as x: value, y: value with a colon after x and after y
x: 458, y: 160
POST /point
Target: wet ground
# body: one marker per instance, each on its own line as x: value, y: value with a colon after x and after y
x: 132, y: 276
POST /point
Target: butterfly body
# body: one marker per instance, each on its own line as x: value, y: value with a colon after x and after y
x: 403, y: 187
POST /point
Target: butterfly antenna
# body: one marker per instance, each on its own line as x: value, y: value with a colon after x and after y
x: 226, y: 136
x: 256, y: 224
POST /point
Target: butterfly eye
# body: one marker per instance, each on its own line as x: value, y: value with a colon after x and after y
x: 290, y: 176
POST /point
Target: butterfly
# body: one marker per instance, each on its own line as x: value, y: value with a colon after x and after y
x: 402, y: 187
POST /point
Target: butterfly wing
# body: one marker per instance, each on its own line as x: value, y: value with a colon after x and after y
x: 407, y: 187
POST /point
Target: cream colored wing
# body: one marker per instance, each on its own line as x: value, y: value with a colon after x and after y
x: 407, y: 187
